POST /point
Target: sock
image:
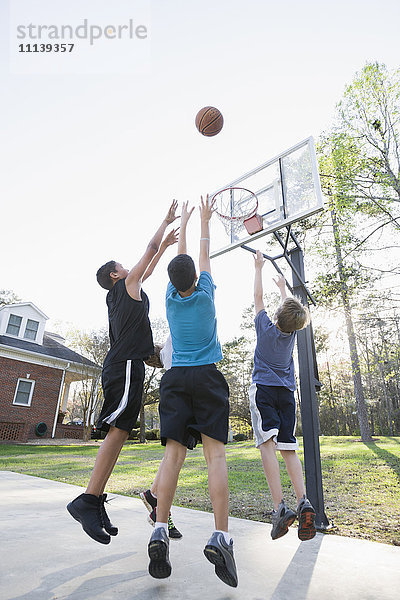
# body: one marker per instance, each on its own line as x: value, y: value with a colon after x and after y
x: 226, y: 535
x: 153, y: 494
x: 158, y: 524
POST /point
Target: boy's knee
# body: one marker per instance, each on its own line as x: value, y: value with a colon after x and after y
x: 175, y: 452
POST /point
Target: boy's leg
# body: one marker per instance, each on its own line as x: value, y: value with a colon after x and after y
x: 158, y: 547
x: 305, y: 510
x: 174, y: 457
x: 295, y: 472
x: 214, y: 453
x: 88, y: 508
x: 106, y: 458
x: 149, y: 498
x: 271, y: 470
x: 154, y: 485
x: 219, y: 548
x: 282, y: 516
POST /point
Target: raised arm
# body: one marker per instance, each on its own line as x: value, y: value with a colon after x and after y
x: 259, y: 262
x: 281, y: 283
x: 169, y: 240
x: 206, y: 211
x: 182, y: 248
x: 134, y: 278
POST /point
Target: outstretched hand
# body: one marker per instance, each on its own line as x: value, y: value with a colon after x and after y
x: 280, y: 282
x: 186, y: 214
x: 171, y: 238
x: 259, y: 260
x: 171, y: 216
x: 207, y: 208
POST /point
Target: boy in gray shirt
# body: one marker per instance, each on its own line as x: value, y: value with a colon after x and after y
x: 273, y: 406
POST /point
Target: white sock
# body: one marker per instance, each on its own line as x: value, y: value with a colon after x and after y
x: 153, y: 494
x: 158, y: 524
x: 227, y: 536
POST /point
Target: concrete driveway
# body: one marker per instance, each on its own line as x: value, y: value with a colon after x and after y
x: 45, y: 555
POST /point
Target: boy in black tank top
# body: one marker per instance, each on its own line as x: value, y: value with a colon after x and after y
x: 123, y: 373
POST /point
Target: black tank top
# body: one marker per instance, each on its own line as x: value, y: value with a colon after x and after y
x: 129, y: 326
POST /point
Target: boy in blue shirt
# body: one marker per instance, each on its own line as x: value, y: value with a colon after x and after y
x: 272, y: 403
x: 194, y: 400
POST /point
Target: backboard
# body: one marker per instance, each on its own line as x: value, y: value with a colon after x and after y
x: 288, y: 190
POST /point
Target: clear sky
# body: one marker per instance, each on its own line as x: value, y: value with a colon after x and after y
x: 94, y: 146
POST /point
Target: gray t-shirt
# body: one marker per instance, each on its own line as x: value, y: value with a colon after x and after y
x: 273, y: 356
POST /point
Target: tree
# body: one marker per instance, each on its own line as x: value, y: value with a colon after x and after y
x: 88, y: 393
x: 237, y: 366
x: 360, y: 166
x: 8, y: 297
x: 151, y: 385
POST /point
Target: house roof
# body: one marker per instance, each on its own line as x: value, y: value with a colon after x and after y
x: 20, y: 304
x: 50, y: 347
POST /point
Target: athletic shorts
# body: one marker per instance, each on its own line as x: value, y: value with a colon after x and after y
x: 193, y: 400
x: 123, y: 389
x: 273, y: 415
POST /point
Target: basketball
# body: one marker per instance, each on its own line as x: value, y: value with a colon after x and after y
x: 209, y: 121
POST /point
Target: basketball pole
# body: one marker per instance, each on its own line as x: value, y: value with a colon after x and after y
x: 309, y: 406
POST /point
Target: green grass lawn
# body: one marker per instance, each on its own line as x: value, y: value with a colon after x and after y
x: 361, y: 481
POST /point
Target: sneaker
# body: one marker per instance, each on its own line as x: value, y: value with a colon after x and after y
x: 87, y: 510
x: 148, y: 499
x: 173, y: 532
x: 281, y: 520
x: 220, y: 554
x: 158, y: 550
x: 306, y: 516
x: 108, y: 526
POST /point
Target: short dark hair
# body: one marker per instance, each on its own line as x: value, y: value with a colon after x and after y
x: 182, y: 272
x: 103, y: 275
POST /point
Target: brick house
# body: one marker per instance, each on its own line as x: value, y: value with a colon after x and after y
x: 36, y: 371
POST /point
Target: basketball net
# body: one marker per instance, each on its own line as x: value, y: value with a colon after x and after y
x: 234, y: 206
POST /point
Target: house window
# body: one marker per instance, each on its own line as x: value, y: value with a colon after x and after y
x: 14, y: 325
x: 31, y: 329
x: 24, y: 392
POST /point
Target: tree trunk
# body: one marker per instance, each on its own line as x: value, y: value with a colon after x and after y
x: 87, y: 431
x: 362, y: 412
x: 142, y: 431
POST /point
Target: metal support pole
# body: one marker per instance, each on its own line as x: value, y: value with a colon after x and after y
x: 309, y: 407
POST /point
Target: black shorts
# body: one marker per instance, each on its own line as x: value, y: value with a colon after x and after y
x: 194, y: 400
x: 123, y: 389
x: 273, y: 415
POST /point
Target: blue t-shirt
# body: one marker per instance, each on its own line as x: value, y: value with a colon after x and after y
x: 193, y: 324
x: 273, y: 356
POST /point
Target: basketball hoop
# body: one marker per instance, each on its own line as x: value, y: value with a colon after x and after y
x: 237, y: 208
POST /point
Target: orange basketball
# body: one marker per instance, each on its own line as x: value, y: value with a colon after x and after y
x: 209, y: 121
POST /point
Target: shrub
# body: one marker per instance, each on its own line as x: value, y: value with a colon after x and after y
x: 153, y: 434
x: 134, y: 434
x: 240, y: 437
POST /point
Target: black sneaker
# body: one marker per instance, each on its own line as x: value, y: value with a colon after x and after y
x: 173, y: 532
x: 148, y: 499
x: 87, y: 509
x: 281, y: 520
x: 158, y: 550
x: 108, y: 526
x: 220, y: 554
x: 306, y: 516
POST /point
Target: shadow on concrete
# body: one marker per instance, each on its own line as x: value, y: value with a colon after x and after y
x: 390, y: 459
x: 295, y: 581
x: 87, y: 589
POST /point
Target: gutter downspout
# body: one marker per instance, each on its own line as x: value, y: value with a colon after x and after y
x: 59, y: 399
